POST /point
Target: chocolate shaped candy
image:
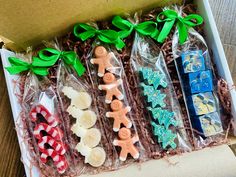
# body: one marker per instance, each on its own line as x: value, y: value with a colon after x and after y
x: 163, y: 116
x: 154, y: 97
x: 201, y: 81
x: 158, y: 130
x: 94, y: 156
x: 119, y: 115
x: 54, y: 132
x: 209, y: 124
x: 90, y: 137
x: 57, y: 149
x: 103, y: 60
x: 85, y: 119
x: 126, y: 142
x: 165, y: 136
x: 52, y: 120
x: 168, y: 139
x: 202, y: 103
x: 154, y: 78
x: 58, y: 146
x: 111, y: 87
x: 193, y: 61
x: 58, y: 160
x: 81, y: 100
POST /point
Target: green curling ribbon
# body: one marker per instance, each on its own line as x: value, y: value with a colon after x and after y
x: 18, y: 66
x: 49, y: 56
x: 148, y: 28
x: 170, y: 17
x: 84, y: 32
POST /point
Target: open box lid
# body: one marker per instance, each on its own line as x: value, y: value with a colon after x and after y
x: 27, y: 23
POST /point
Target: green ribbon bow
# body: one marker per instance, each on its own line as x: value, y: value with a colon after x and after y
x: 148, y: 28
x: 49, y: 56
x: 183, y: 23
x: 84, y: 32
x: 18, y: 66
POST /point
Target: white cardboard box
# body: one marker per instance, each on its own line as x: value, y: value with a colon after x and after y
x: 217, y: 161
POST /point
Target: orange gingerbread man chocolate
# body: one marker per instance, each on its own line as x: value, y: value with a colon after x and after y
x: 119, y: 115
x: 111, y: 87
x: 103, y: 60
x: 126, y: 143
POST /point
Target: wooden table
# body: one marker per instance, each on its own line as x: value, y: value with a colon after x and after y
x: 10, y: 165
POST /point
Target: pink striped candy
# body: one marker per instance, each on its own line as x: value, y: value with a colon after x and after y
x: 59, y: 147
x: 54, y: 132
x: 40, y: 109
x: 59, y: 161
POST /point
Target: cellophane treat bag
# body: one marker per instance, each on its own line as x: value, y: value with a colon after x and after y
x: 85, y: 128
x: 161, y: 106
x: 115, y: 105
x: 46, y: 128
x: 199, y: 84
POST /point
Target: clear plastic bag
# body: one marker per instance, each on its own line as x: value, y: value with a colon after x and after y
x: 40, y: 125
x: 89, y: 144
x: 117, y: 111
x: 84, y: 124
x: 198, y: 81
x: 46, y: 128
x: 162, y: 109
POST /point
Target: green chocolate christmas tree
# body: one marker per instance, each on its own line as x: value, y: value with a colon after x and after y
x: 165, y: 136
x: 158, y: 130
x: 163, y: 116
x: 145, y: 73
x: 154, y: 97
x: 168, y: 139
x: 154, y: 78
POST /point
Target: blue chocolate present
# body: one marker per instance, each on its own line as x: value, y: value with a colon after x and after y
x: 200, y: 81
x: 202, y: 103
x: 193, y: 61
x: 208, y: 125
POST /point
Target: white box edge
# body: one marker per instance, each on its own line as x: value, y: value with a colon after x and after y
x: 204, y: 7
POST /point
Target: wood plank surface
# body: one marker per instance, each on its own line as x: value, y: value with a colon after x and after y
x: 10, y: 164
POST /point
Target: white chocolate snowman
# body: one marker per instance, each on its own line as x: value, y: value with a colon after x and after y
x: 85, y: 120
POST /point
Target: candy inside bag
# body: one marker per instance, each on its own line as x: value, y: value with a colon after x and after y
x: 84, y: 124
x: 158, y: 96
x: 198, y: 80
x: 46, y: 128
x: 43, y: 128
x: 115, y: 104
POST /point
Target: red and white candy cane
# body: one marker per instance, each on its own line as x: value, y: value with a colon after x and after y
x: 54, y: 132
x: 59, y: 160
x: 40, y: 109
x: 59, y: 147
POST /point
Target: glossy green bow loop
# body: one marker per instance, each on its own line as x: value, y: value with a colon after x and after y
x: 84, y: 32
x: 18, y: 66
x: 49, y: 56
x: 170, y: 17
x: 148, y: 28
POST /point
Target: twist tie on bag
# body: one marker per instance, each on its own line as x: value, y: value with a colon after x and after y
x: 84, y: 32
x: 49, y: 56
x: 170, y: 17
x: 148, y: 28
x: 18, y: 66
